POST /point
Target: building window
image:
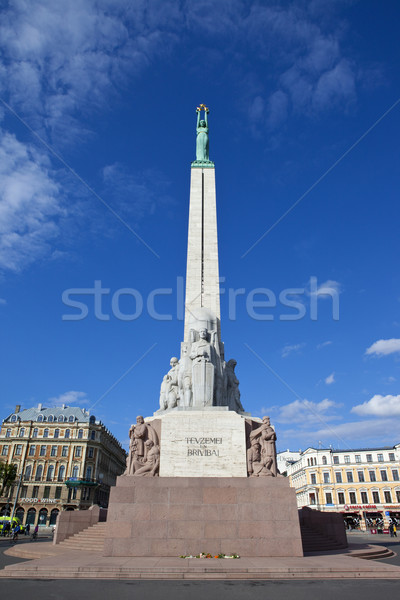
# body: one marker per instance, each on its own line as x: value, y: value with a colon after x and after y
x: 388, y: 497
x: 35, y: 432
x: 42, y: 451
x: 18, y: 450
x: 24, y: 491
x: 364, y: 497
x: 8, y: 433
x: 50, y: 419
x: 93, y: 435
x: 384, y: 476
x: 61, y: 473
x: 71, y: 419
x: 313, y: 478
x: 338, y: 476
x: 324, y: 460
x: 358, y: 458
x: 349, y: 476
x: 375, y: 497
x: 335, y: 460
x: 64, y: 451
x: 352, y: 497
x: 347, y: 459
x: 328, y: 498
x: 40, y: 418
x: 398, y: 495
x: 341, y: 497
x: 360, y: 476
x: 32, y: 450
x: 39, y: 473
x: 61, y: 419
x: 78, y: 451
x: 380, y: 457
x: 80, y: 434
x: 312, y: 499
x: 50, y: 473
x: 326, y: 478
x: 13, y: 419
x: 88, y: 473
x: 372, y: 476
x: 56, y: 433
x: 35, y: 491
x: 46, y: 493
x: 369, y: 457
x: 67, y: 433
x: 395, y: 475
x: 46, y: 433
x: 4, y: 451
x: 22, y: 432
x: 75, y: 471
x: 391, y: 456
x: 91, y: 452
x: 28, y: 472
x: 53, y: 451
x: 58, y: 492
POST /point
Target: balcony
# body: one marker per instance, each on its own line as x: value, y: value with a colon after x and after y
x: 78, y: 481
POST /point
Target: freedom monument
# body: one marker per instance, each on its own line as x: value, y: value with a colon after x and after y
x: 201, y: 473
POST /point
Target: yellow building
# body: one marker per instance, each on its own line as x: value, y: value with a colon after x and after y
x: 362, y: 484
x: 65, y: 460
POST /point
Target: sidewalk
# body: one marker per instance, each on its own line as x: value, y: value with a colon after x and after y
x: 54, y: 563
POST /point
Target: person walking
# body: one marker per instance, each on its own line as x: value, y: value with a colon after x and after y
x: 391, y: 529
x: 27, y: 529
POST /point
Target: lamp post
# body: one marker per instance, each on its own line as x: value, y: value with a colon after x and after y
x: 16, y: 499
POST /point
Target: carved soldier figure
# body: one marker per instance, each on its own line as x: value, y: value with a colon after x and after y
x: 232, y: 386
x: 152, y: 463
x: 201, y: 350
x: 139, y: 436
x: 266, y: 437
x: 185, y: 378
x: 171, y: 384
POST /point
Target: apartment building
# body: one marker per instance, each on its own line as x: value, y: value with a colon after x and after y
x: 363, y: 484
x: 65, y: 459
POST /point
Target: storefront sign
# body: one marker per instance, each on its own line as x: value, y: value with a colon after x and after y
x: 359, y: 506
x: 40, y: 500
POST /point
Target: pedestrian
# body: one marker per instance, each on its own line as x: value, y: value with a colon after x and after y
x: 391, y: 529
x: 394, y: 530
x: 27, y: 529
x: 16, y: 531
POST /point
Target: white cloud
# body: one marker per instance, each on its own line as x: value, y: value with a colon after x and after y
x: 330, y: 379
x: 71, y: 398
x: 286, y: 350
x: 306, y: 412
x: 30, y: 204
x: 324, y: 344
x: 324, y: 290
x: 380, y: 406
x: 384, y: 347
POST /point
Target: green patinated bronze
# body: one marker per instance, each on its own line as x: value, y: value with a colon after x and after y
x: 202, y: 144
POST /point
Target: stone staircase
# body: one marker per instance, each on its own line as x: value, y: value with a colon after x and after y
x: 90, y: 539
x: 314, y: 541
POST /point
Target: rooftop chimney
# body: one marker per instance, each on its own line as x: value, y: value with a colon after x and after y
x: 17, y: 408
x: 40, y: 406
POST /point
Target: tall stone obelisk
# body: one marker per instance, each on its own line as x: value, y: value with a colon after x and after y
x: 202, y: 273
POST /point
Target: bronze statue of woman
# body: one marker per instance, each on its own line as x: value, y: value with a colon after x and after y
x: 202, y: 134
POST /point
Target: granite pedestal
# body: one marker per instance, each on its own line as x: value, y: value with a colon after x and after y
x: 173, y: 516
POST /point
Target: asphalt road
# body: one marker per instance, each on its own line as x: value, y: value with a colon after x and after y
x: 58, y: 589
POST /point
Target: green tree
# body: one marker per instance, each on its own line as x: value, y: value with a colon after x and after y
x: 8, y: 474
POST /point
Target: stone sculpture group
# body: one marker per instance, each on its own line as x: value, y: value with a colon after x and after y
x: 144, y: 450
x: 201, y: 377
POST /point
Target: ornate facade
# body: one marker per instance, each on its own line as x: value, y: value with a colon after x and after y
x: 65, y: 458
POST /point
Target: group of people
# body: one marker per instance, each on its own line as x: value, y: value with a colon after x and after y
x: 144, y: 451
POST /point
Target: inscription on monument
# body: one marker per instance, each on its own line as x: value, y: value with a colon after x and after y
x: 203, y: 442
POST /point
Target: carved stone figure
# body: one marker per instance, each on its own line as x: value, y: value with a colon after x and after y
x: 169, y: 392
x: 202, y: 134
x: 152, y: 461
x: 265, y: 436
x: 140, y: 434
x: 202, y: 371
x: 255, y: 465
x: 232, y: 386
x: 185, y: 378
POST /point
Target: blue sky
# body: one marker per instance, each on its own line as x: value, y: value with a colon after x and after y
x: 97, y: 120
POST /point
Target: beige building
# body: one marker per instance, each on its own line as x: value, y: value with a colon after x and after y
x: 362, y: 484
x: 65, y: 460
